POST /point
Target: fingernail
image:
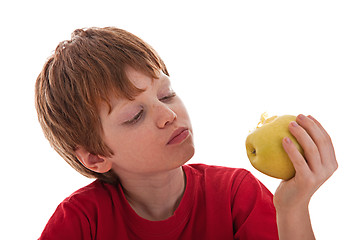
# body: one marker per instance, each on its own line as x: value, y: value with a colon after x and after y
x: 294, y: 124
x: 287, y: 140
x: 301, y: 116
x: 311, y: 117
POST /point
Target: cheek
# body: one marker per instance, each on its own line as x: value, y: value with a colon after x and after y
x: 182, y: 112
x: 132, y: 143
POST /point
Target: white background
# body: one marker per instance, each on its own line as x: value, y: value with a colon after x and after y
x: 229, y: 61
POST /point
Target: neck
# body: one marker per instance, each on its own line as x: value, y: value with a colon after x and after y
x: 154, y: 197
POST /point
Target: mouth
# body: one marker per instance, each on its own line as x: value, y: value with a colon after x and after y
x: 178, y: 136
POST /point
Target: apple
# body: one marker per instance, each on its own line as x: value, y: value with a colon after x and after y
x: 264, y: 147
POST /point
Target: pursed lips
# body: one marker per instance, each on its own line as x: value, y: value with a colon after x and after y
x: 176, y: 133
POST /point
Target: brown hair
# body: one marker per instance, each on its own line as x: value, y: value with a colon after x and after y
x: 78, y: 76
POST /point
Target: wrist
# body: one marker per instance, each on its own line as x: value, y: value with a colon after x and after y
x: 284, y: 207
x: 294, y: 222
x: 282, y: 202
x: 293, y: 211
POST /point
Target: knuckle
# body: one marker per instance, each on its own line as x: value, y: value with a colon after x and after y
x: 335, y: 166
x: 307, y: 123
x: 327, y: 136
x: 311, y: 150
x: 323, y: 176
x: 322, y: 141
x: 311, y: 181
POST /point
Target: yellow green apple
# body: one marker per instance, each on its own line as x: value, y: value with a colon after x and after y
x: 264, y: 147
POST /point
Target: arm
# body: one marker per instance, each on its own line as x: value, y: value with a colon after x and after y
x: 253, y: 211
x: 68, y: 222
x: 292, y: 197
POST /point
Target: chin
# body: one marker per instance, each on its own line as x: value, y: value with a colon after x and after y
x: 188, y: 155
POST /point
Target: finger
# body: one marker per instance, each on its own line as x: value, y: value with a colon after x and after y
x: 331, y: 159
x: 319, y: 125
x: 314, y: 130
x: 321, y: 139
x: 311, y: 151
x: 300, y: 165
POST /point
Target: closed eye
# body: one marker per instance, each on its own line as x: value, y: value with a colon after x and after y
x: 136, y: 118
x: 168, y: 97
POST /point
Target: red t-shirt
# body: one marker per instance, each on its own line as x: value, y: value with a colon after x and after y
x: 219, y: 203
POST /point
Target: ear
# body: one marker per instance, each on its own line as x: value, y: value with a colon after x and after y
x: 93, y: 162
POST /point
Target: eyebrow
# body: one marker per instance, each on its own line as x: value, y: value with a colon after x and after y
x: 163, y: 78
x: 112, y: 108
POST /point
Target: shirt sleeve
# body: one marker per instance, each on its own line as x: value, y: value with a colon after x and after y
x: 253, y: 211
x: 68, y: 222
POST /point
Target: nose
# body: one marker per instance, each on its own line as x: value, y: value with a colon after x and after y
x: 165, y: 115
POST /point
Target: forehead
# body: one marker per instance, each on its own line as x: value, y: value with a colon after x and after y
x: 142, y: 81
x: 139, y: 79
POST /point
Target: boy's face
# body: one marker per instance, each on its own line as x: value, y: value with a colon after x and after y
x: 138, y: 132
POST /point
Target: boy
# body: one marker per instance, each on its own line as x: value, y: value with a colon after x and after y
x: 105, y: 103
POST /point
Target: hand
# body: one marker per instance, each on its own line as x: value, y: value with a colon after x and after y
x: 312, y: 169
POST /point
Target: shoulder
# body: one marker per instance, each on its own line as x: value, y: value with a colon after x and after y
x: 77, y: 215
x: 89, y: 199
x: 95, y: 190
x: 238, y: 181
x: 213, y: 169
x: 217, y: 178
x: 216, y: 173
